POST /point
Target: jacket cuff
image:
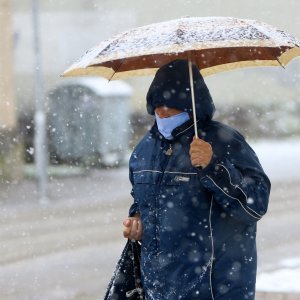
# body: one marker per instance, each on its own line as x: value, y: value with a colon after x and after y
x: 133, y: 210
x: 211, y: 169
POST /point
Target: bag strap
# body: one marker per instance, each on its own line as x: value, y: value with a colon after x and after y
x: 136, y: 253
x: 136, y: 263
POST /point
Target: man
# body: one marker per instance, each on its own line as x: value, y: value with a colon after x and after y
x: 196, y: 201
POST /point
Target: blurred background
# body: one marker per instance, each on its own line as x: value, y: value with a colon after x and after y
x: 65, y: 143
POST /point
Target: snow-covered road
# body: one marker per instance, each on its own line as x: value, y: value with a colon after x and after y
x: 280, y: 270
x: 280, y: 159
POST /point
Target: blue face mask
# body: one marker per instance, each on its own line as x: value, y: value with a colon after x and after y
x: 167, y: 125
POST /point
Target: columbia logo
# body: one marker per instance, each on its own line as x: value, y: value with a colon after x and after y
x: 182, y: 178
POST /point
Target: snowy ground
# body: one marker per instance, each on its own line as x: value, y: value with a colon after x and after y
x: 280, y: 159
x: 281, y: 162
x: 68, y: 248
x: 285, y: 278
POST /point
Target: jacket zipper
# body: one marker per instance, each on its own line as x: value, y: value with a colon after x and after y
x: 167, y: 154
x: 169, y: 151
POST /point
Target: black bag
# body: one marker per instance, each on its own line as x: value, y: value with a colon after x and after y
x: 126, y: 280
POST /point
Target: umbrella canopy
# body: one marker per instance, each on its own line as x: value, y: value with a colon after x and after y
x: 214, y: 44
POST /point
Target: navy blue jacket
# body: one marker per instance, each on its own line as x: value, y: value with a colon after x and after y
x: 199, y: 239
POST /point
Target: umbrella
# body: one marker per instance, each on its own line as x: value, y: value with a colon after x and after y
x: 214, y: 44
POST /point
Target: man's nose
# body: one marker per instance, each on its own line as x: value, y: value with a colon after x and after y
x: 161, y: 112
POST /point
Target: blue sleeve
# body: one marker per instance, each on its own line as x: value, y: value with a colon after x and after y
x: 238, y: 183
x: 134, y: 207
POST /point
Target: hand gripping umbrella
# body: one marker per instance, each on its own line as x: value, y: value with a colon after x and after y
x: 213, y: 44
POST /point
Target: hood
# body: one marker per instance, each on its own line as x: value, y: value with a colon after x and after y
x: 171, y: 87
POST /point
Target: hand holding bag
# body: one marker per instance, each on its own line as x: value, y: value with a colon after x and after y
x: 126, y: 280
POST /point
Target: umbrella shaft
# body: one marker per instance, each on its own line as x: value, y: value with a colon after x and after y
x: 193, y: 97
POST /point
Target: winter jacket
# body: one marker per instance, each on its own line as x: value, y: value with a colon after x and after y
x: 199, y: 226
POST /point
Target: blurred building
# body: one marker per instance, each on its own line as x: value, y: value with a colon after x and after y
x: 10, y: 162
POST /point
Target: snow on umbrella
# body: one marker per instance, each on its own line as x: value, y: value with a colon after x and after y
x: 214, y: 44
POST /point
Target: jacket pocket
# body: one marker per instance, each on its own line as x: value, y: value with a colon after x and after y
x: 145, y: 187
x: 146, y: 177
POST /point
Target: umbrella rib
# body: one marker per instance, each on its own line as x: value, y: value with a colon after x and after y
x: 279, y: 62
x: 116, y: 70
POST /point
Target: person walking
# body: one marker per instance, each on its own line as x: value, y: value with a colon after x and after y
x: 196, y: 201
